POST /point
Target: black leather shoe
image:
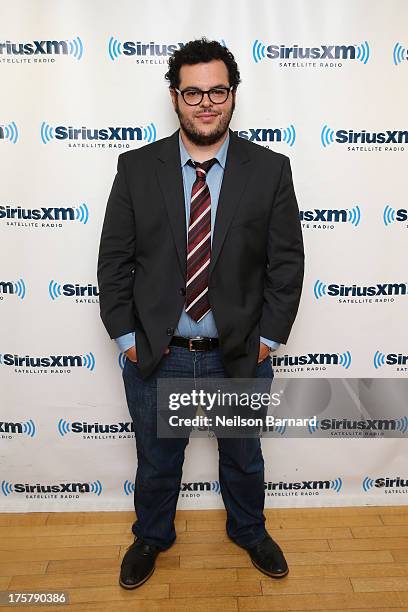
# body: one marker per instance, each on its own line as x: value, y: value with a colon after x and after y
x: 268, y: 558
x: 138, y: 564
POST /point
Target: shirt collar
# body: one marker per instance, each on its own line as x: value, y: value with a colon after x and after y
x: 220, y: 156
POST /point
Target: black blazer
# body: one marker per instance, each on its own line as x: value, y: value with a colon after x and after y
x: 256, y: 268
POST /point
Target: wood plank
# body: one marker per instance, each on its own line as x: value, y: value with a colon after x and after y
x: 4, y: 582
x: 350, y: 520
x: 86, y: 518
x: 102, y: 565
x: 15, y: 568
x: 346, y: 570
x: 230, y: 588
x: 21, y: 518
x: 53, y: 554
x: 321, y: 601
x: 64, y: 530
x: 295, y: 571
x: 340, y: 557
x: 371, y: 570
x: 385, y: 531
x: 394, y: 519
x: 367, y: 585
x: 201, y: 604
x: 88, y: 579
x: 306, y: 585
x: 215, y: 561
x: 115, y: 539
x: 369, y: 544
x: 116, y: 593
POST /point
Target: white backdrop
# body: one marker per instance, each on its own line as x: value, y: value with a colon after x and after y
x: 79, y: 65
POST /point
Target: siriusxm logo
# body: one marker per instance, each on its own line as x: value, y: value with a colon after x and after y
x: 74, y: 48
x: 128, y: 487
x: 360, y: 425
x: 328, y: 136
x: 391, y: 215
x: 304, y: 485
x: 9, y: 132
x: 86, y: 361
x: 65, y: 427
x: 287, y: 135
x: 27, y: 428
x: 71, y: 213
x: 143, y: 50
x: 193, y: 489
x: 359, y: 52
x: 384, y: 483
x: 321, y: 290
x: 56, y: 290
x: 339, y: 215
x: 313, y: 359
x: 150, y: 49
x: 392, y: 359
x: 16, y: 288
x: 121, y: 360
x: 110, y: 134
x: 399, y: 54
x: 95, y: 487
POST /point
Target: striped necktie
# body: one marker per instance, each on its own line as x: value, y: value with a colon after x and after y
x: 199, y: 244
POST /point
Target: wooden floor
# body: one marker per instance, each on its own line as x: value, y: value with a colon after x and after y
x: 339, y: 559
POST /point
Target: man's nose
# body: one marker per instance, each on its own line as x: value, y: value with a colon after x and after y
x: 206, y: 100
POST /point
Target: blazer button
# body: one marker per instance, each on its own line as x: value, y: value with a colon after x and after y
x: 170, y: 331
x: 182, y: 291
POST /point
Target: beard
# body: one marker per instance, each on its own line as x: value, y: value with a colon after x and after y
x: 205, y: 139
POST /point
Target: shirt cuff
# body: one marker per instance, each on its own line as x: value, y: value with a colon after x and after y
x: 271, y: 343
x: 126, y: 341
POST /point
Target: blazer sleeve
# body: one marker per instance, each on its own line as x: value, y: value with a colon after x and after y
x: 285, y: 262
x: 116, y: 259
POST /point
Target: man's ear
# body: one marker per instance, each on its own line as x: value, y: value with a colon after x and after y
x: 173, y: 95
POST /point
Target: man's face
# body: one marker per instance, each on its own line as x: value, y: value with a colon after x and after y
x: 206, y: 123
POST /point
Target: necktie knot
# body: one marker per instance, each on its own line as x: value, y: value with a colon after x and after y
x: 202, y: 168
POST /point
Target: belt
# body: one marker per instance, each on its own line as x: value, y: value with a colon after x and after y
x: 195, y: 344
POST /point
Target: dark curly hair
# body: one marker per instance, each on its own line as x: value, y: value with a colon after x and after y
x: 197, y: 51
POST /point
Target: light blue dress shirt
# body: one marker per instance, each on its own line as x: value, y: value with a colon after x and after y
x: 187, y: 327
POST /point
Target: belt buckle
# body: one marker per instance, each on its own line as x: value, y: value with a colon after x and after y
x: 190, y: 343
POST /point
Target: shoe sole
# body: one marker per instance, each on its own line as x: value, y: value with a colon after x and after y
x: 270, y: 574
x: 135, y: 586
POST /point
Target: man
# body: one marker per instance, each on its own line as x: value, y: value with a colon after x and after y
x: 201, y: 239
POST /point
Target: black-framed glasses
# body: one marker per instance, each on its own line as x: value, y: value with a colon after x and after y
x: 193, y: 97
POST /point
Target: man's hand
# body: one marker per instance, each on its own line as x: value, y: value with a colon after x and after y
x: 131, y: 353
x: 264, y: 351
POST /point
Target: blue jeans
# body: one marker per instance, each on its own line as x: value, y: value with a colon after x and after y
x: 160, y: 460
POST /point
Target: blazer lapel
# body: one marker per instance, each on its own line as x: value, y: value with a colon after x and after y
x: 235, y: 178
x: 171, y: 182
x: 170, y: 178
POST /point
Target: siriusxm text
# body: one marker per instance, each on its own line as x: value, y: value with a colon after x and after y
x: 35, y: 47
x: 50, y: 361
x: 310, y: 358
x: 343, y: 52
x: 50, y: 214
x: 63, y: 132
x: 362, y: 290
